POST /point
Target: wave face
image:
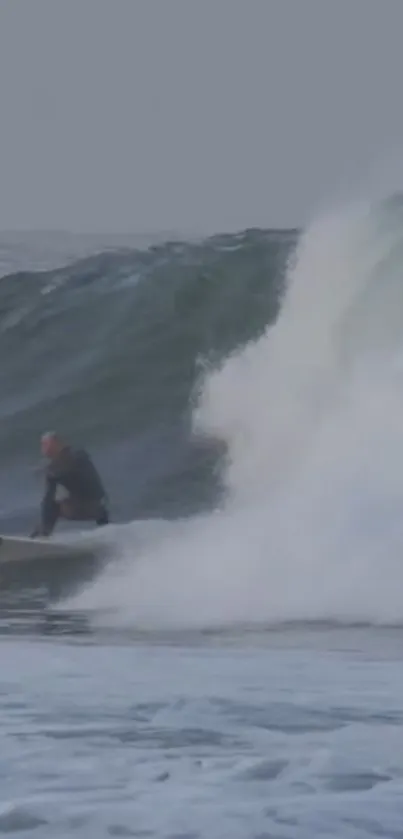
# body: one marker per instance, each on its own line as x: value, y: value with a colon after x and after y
x: 250, y: 388
x: 109, y: 349
x: 311, y: 415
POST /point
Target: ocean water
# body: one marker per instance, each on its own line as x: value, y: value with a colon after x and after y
x: 232, y: 668
x: 295, y: 734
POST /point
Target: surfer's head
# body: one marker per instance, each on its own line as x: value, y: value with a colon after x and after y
x: 51, y: 444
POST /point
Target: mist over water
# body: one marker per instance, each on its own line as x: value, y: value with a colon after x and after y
x: 311, y: 527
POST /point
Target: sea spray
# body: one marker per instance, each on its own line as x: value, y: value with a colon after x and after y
x: 312, y: 415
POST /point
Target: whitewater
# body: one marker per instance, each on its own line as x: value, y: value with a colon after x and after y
x: 311, y: 413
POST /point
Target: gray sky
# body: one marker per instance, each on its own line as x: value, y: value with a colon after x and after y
x: 198, y: 115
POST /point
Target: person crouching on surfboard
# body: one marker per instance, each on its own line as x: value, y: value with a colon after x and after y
x: 74, y: 470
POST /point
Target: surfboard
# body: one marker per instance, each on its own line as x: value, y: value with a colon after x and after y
x: 24, y: 549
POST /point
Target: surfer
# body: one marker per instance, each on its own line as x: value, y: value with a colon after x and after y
x: 74, y: 470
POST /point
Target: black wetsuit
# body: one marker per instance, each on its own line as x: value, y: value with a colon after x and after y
x: 74, y: 470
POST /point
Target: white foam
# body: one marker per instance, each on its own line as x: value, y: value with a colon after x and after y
x: 313, y: 417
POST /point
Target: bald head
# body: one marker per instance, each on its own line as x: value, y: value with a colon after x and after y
x: 51, y: 444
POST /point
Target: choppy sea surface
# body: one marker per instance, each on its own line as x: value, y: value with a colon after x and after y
x: 289, y: 734
x: 225, y: 660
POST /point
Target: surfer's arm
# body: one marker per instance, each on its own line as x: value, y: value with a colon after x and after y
x: 47, y: 506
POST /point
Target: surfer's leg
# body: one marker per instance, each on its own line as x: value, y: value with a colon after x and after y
x: 102, y: 517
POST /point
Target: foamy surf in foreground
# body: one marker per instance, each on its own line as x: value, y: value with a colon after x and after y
x: 312, y: 414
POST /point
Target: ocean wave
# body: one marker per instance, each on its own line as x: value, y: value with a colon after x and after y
x: 310, y: 412
x: 109, y: 349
